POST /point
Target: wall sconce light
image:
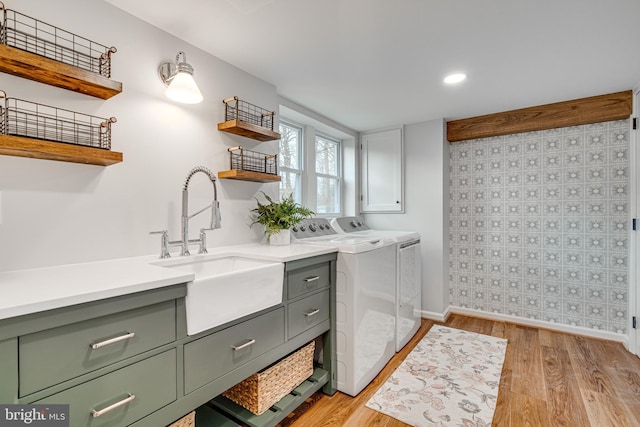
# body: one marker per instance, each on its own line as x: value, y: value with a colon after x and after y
x: 178, y: 78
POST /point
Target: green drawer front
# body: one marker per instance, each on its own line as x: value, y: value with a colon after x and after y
x: 59, y: 354
x: 308, y: 279
x: 307, y: 313
x: 213, y: 356
x: 152, y: 381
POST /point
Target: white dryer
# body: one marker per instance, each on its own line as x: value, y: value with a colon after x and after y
x: 365, y: 301
x: 408, y: 303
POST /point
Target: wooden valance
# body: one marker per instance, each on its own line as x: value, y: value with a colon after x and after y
x: 595, y: 109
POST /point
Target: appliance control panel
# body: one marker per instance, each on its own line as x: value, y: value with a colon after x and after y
x: 312, y: 227
x: 349, y: 224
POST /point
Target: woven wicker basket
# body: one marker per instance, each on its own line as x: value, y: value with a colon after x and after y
x: 188, y: 420
x: 261, y: 390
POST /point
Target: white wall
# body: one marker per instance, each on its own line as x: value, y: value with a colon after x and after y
x: 57, y: 213
x: 426, y: 196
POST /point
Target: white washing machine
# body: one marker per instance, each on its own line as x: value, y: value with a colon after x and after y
x: 408, y: 276
x: 365, y: 301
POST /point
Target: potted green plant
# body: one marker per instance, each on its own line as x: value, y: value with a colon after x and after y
x: 278, y: 217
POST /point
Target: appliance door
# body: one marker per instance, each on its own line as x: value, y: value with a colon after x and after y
x: 409, y: 292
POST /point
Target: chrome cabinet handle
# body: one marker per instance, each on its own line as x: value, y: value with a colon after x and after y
x: 312, y: 312
x: 311, y: 279
x: 127, y: 336
x: 245, y: 345
x: 96, y: 414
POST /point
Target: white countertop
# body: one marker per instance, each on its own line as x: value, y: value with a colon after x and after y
x: 34, y: 290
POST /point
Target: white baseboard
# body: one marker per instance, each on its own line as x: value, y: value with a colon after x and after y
x: 576, y: 330
x: 437, y: 317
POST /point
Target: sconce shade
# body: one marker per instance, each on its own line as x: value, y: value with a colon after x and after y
x: 178, y: 77
x: 183, y: 88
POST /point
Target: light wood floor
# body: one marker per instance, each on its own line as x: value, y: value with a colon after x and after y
x: 548, y: 379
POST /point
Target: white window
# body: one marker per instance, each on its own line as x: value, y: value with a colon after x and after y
x: 327, y: 175
x: 290, y: 161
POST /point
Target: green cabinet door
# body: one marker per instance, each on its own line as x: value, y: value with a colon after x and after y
x: 123, y: 396
x: 58, y: 354
x: 307, y: 312
x: 212, y: 356
x: 308, y: 279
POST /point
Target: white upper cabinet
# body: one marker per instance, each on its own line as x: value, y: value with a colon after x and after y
x: 381, y: 169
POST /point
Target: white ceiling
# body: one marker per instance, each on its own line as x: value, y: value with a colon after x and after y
x: 369, y: 64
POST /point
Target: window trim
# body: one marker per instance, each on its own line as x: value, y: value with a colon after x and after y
x: 337, y: 178
x: 299, y: 198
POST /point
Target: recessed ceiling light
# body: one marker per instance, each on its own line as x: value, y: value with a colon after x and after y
x: 455, y: 78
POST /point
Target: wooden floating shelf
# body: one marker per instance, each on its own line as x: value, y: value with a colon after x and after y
x: 44, y: 70
x: 249, y: 130
x: 243, y: 175
x: 40, y: 149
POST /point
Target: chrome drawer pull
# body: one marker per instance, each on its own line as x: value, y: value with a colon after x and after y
x: 311, y: 279
x: 312, y: 312
x: 96, y: 414
x: 127, y: 336
x: 245, y: 345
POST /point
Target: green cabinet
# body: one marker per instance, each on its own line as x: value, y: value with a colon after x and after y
x: 9, y: 370
x: 113, y: 361
x: 128, y: 361
x: 54, y: 355
x: 308, y: 279
x: 309, y: 305
x: 121, y: 397
x: 212, y: 356
x: 307, y: 312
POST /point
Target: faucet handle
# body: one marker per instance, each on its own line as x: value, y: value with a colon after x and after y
x: 164, y: 243
x: 203, y: 240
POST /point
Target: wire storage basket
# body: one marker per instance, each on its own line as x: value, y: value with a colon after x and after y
x: 236, y: 109
x: 28, y: 119
x: 34, y: 36
x: 247, y: 160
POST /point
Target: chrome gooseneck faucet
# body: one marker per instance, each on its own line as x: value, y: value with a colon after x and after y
x: 215, y: 212
x: 184, y: 242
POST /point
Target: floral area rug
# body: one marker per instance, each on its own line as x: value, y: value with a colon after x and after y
x: 450, y: 378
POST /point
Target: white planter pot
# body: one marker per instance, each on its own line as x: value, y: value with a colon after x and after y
x: 281, y: 238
